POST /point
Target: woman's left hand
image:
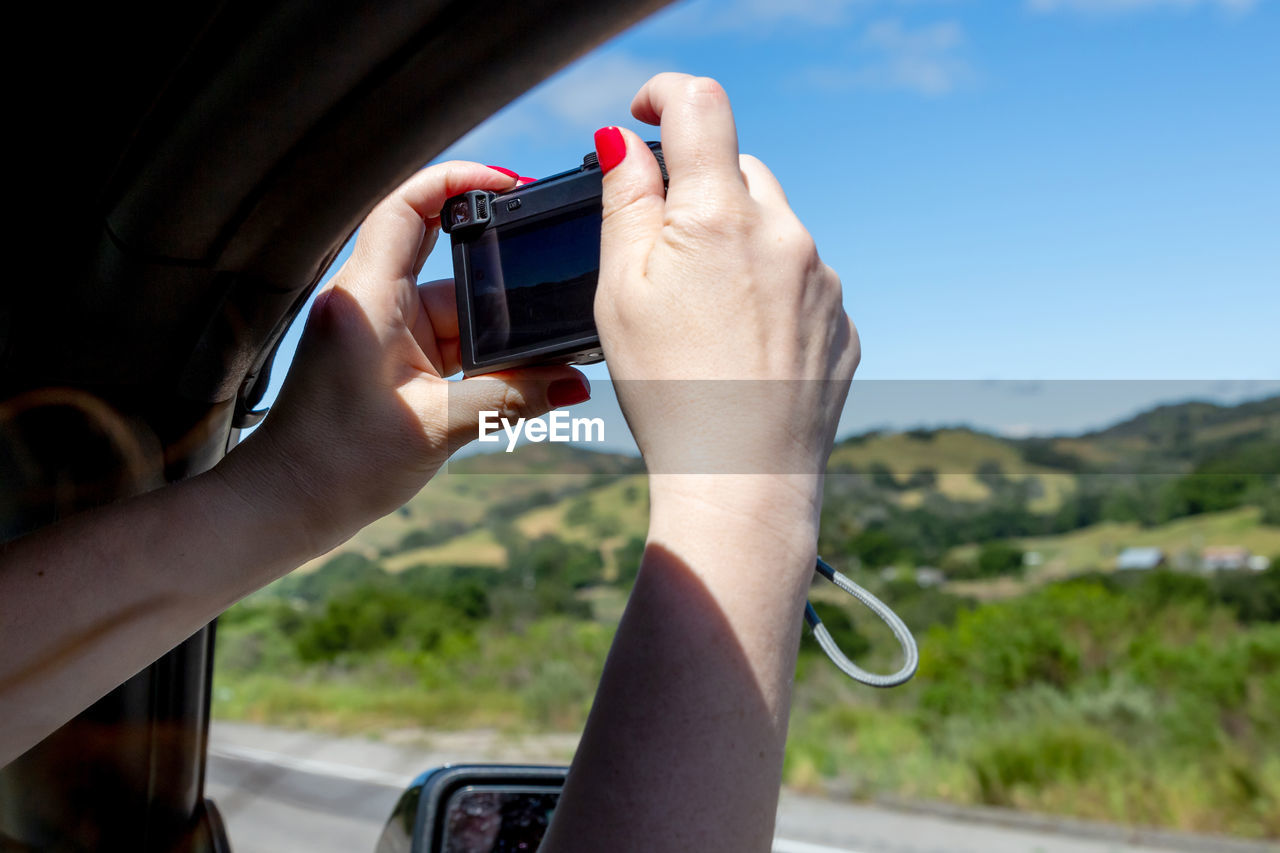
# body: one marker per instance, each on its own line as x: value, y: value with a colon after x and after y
x: 366, y: 416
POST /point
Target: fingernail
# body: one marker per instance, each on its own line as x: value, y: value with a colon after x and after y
x: 524, y: 180
x: 610, y: 148
x: 507, y: 172
x: 567, y: 392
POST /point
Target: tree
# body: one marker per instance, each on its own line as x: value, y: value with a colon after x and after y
x: 876, y: 548
x: 999, y: 558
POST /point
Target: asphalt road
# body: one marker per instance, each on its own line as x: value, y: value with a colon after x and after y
x: 282, y: 791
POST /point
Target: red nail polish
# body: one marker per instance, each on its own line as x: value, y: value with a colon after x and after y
x: 507, y: 172
x: 567, y: 392
x: 610, y: 147
x: 524, y: 180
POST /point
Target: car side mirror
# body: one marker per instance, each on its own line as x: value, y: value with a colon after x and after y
x: 474, y: 808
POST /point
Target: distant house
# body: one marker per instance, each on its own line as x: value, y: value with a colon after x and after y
x: 1140, y: 559
x: 1259, y: 563
x: 927, y: 576
x: 1218, y: 558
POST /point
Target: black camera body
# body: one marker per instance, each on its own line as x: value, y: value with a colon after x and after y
x: 525, y: 265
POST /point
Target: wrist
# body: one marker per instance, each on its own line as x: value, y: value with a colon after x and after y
x: 750, y: 513
x: 276, y: 499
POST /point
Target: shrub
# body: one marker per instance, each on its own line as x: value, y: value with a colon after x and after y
x: 999, y: 558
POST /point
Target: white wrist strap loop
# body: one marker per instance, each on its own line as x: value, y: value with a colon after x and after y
x: 910, y: 653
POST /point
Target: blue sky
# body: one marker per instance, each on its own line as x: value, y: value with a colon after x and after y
x: 1048, y: 189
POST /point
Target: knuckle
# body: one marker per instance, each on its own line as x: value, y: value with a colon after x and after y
x: 617, y: 204
x: 798, y: 242
x: 516, y: 403
x: 699, y: 89
x: 855, y: 345
x: 705, y: 224
x: 830, y: 280
x: 833, y: 281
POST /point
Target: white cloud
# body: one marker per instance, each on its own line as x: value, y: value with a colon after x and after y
x: 1021, y: 430
x: 591, y: 93
x: 1117, y: 6
x: 926, y: 60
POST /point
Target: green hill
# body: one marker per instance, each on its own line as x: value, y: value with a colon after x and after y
x: 931, y: 490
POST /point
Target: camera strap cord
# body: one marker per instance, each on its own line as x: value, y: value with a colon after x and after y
x: 910, y: 653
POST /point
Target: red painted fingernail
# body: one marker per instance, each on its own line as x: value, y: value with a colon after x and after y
x: 566, y: 392
x: 610, y: 147
x: 524, y: 180
x: 507, y: 172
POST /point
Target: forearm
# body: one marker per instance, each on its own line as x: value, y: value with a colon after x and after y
x: 684, y: 746
x: 90, y: 601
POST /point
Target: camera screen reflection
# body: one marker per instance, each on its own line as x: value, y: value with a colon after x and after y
x: 488, y: 821
x: 535, y: 283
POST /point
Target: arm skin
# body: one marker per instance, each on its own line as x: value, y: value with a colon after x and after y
x: 90, y: 601
x: 715, y: 281
x: 684, y: 746
x: 363, y: 421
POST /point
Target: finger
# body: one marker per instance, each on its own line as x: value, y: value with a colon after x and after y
x: 450, y: 356
x: 424, y: 251
x: 699, y: 137
x: 393, y: 234
x: 761, y: 183
x: 435, y: 327
x: 521, y: 180
x: 632, y: 202
x: 440, y: 303
x: 429, y: 241
x: 512, y: 394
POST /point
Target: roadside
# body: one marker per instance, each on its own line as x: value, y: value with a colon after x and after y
x: 282, y: 790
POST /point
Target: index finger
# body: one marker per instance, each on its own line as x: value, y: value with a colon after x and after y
x: 392, y: 234
x: 699, y: 136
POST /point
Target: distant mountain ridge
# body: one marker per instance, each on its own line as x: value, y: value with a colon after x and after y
x: 548, y: 488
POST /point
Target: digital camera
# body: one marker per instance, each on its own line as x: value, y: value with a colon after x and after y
x: 525, y: 265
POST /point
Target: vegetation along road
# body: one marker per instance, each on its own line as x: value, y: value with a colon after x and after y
x: 1099, y: 629
x: 283, y: 791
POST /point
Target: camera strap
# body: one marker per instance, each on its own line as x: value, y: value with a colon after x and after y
x: 911, y: 655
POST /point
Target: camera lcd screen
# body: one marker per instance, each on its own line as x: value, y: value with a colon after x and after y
x: 535, y: 283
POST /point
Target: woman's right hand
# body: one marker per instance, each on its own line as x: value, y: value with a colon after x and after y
x: 716, y: 297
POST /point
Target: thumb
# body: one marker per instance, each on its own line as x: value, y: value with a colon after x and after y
x: 633, y: 202
x: 512, y: 394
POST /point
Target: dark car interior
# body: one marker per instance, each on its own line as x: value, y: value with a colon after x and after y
x: 185, y: 174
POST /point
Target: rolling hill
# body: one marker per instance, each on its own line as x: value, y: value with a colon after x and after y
x: 476, y: 504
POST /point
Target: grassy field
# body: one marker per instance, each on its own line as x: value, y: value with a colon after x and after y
x: 1097, y: 547
x: 953, y: 455
x: 475, y: 548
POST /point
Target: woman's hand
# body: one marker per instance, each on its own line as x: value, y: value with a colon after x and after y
x: 723, y: 328
x: 366, y: 417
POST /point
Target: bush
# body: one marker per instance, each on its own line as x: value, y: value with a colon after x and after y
x: 627, y: 558
x: 425, y: 537
x: 1255, y: 596
x: 876, y: 548
x: 999, y: 558
x: 1039, y: 756
x: 336, y: 577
